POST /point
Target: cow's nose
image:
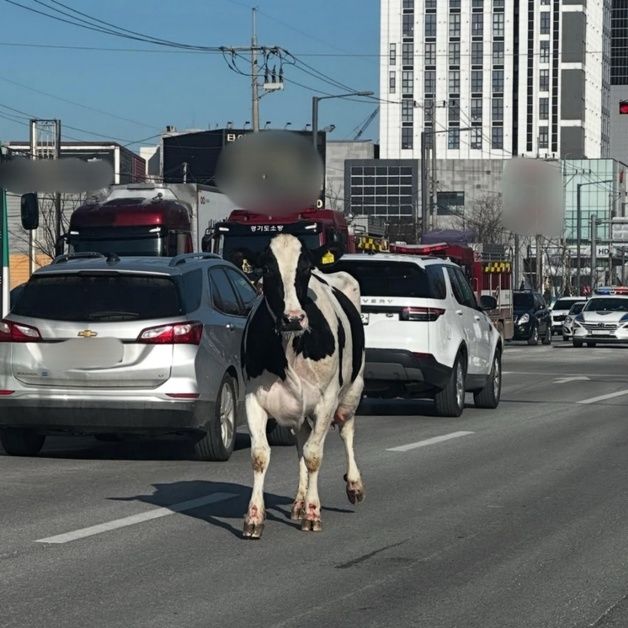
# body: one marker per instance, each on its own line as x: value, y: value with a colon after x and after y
x: 292, y: 318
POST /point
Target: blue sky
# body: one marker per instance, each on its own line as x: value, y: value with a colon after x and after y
x: 187, y: 90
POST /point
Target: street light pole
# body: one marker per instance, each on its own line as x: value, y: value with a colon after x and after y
x: 317, y: 99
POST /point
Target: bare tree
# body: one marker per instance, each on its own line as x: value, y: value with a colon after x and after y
x: 485, y: 220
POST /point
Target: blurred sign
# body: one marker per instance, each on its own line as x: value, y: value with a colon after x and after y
x: 533, y: 198
x: 623, y: 107
x: 619, y: 230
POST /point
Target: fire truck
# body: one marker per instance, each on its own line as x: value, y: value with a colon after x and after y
x: 487, y: 274
x: 245, y: 234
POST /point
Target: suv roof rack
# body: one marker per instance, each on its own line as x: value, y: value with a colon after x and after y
x: 185, y: 257
x: 62, y: 259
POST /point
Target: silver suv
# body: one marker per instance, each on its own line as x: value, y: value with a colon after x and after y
x: 107, y: 346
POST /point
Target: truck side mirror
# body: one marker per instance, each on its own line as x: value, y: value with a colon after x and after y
x: 29, y: 211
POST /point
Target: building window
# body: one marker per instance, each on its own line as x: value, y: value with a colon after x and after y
x: 544, y: 80
x: 476, y: 110
x: 476, y: 138
x: 477, y: 24
x: 498, y: 53
x: 454, y: 4
x: 498, y: 24
x: 477, y: 52
x: 498, y: 81
x: 498, y: 4
x: 453, y: 139
x: 498, y: 109
x: 476, y: 81
x: 430, y: 53
x: 408, y: 4
x: 392, y: 80
x: 430, y: 4
x: 497, y: 137
x: 450, y: 202
x: 454, y: 81
x: 407, y: 29
x: 392, y: 54
x: 407, y: 110
x: 454, y: 53
x: 545, y: 22
x: 478, y: 4
x: 407, y: 53
x: 406, y: 137
x: 407, y: 81
x: 430, y: 81
x: 454, y: 110
x: 454, y: 25
x: 545, y: 51
x: 430, y: 24
x: 544, y: 108
x: 543, y: 137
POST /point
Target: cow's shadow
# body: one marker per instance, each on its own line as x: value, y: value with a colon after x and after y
x: 220, y: 513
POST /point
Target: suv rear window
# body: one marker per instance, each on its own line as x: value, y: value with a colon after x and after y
x: 99, y: 297
x: 563, y: 304
x: 397, y: 279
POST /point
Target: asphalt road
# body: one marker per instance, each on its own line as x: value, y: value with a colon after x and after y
x: 519, y: 518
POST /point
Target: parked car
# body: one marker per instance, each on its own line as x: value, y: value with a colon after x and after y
x: 532, y: 318
x: 568, y: 323
x: 104, y: 346
x: 559, y: 310
x: 604, y: 319
x: 425, y: 334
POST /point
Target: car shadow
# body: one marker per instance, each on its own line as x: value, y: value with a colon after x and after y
x: 400, y: 407
x: 128, y: 448
x: 221, y: 513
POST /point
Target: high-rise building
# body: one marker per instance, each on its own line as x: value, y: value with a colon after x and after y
x: 495, y: 78
x: 619, y: 80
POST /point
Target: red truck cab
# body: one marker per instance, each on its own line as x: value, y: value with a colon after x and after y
x: 131, y: 226
x: 245, y: 234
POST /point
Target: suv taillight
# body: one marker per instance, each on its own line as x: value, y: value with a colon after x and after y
x: 424, y: 314
x: 172, y: 334
x: 17, y: 332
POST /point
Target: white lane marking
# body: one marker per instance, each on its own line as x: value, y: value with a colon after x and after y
x: 156, y: 513
x: 575, y: 378
x: 619, y: 393
x: 430, y: 441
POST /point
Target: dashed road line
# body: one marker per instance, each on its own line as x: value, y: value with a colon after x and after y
x: 430, y: 441
x: 619, y: 393
x: 156, y: 513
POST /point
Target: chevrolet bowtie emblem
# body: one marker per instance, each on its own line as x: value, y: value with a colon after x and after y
x: 87, y: 333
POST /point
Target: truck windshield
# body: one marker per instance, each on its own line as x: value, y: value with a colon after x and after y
x: 237, y: 248
x: 127, y: 244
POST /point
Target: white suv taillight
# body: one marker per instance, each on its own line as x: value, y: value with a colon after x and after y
x: 423, y: 314
x: 172, y: 334
x: 17, y: 332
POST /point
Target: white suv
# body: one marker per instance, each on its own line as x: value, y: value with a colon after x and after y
x: 426, y: 336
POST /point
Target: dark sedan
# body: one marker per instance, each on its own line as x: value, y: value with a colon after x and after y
x: 532, y: 318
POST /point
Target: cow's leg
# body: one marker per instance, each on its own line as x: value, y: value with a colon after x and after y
x: 257, y: 418
x: 313, y: 457
x: 355, y: 487
x: 296, y: 513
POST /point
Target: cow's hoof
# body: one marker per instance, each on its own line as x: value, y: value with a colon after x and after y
x: 253, y: 530
x: 355, y: 491
x: 297, y: 511
x: 309, y: 525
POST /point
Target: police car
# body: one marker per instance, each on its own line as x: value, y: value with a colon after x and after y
x: 604, y: 318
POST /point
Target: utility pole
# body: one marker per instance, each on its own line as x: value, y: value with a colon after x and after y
x: 254, y: 76
x: 434, y: 173
x: 593, y: 237
x: 539, y: 264
x: 57, y: 194
x: 424, y: 181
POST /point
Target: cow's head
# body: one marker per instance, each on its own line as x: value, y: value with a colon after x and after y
x: 287, y: 267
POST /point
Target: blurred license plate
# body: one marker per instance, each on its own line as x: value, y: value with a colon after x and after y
x: 85, y: 353
x: 600, y: 332
x: 365, y: 319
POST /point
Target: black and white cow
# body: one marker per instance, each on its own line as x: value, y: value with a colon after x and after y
x: 303, y: 354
